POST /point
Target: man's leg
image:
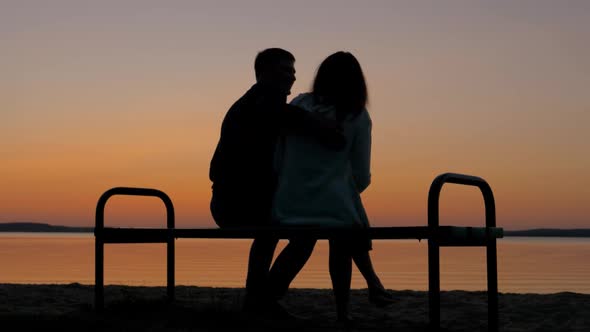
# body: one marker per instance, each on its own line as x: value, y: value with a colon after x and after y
x: 289, y: 263
x: 261, y: 251
x: 261, y: 254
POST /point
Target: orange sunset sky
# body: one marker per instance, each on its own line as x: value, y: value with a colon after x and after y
x: 98, y: 94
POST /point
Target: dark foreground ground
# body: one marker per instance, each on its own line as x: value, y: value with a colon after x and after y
x: 70, y: 308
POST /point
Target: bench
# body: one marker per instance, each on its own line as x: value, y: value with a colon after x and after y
x: 437, y: 236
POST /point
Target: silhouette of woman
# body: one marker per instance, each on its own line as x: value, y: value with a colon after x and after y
x: 319, y: 186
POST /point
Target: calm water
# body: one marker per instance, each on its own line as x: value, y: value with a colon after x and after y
x: 525, y: 265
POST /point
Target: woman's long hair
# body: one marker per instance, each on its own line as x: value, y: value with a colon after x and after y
x: 340, y: 82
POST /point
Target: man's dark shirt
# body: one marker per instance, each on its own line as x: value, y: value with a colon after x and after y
x: 242, y: 170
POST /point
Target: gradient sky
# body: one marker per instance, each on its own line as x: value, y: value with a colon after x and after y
x: 98, y: 94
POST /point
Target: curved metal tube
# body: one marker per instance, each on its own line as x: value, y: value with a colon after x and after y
x: 468, y: 180
x: 434, y: 248
x: 126, y: 191
x: 99, y: 242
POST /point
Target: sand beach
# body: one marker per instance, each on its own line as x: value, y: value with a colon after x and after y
x: 134, y: 308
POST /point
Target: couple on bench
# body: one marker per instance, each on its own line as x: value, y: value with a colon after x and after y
x: 303, y: 163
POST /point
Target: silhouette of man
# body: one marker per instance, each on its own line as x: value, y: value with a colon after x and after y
x: 244, y: 180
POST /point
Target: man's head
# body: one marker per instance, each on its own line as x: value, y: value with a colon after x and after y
x: 275, y: 67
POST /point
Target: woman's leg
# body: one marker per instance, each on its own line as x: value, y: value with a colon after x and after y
x: 340, y: 263
x: 365, y: 266
x: 378, y: 295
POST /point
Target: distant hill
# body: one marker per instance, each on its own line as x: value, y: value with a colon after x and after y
x: 40, y: 227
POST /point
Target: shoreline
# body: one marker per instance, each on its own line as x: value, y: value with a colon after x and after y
x: 144, y: 308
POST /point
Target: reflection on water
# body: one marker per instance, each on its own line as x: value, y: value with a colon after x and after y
x: 535, y: 265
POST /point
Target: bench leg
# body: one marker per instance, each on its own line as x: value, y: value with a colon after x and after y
x: 492, y: 286
x: 170, y: 264
x: 433, y: 284
x: 98, y: 275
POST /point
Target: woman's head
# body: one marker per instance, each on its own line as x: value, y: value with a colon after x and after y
x: 340, y: 81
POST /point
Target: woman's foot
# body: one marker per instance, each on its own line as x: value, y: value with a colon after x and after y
x: 380, y: 297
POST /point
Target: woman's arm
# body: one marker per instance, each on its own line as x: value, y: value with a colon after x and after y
x: 360, y: 155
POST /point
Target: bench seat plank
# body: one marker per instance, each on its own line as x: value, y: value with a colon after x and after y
x: 446, y: 235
